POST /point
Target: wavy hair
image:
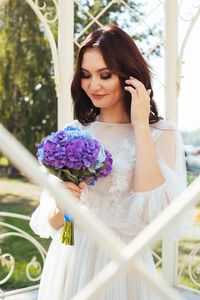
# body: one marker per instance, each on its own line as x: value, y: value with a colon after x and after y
x: 123, y: 57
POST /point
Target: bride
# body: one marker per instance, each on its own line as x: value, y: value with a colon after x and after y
x: 113, y: 99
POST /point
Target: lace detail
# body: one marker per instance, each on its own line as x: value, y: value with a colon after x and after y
x: 123, y: 163
x: 120, y: 179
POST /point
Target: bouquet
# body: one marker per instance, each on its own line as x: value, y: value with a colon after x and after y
x: 74, y: 155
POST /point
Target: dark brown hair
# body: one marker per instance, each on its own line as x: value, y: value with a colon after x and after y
x: 122, y: 56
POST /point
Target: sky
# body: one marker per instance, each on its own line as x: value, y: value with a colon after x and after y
x: 189, y: 101
x: 189, y: 98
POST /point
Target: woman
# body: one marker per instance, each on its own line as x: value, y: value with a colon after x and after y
x: 113, y: 99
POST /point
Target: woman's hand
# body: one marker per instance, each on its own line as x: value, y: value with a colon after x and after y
x: 56, y: 215
x: 140, y: 105
x: 74, y: 189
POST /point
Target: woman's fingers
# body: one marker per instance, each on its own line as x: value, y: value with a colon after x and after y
x: 71, y: 186
x: 76, y: 194
x: 130, y: 89
x: 138, y: 86
x: 82, y: 185
x: 140, y: 105
x: 75, y: 189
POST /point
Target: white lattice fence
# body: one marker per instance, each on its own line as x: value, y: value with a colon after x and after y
x: 123, y: 255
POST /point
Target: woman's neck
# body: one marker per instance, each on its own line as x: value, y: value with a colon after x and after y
x: 112, y: 118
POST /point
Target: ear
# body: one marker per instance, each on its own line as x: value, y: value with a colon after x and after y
x: 149, y: 91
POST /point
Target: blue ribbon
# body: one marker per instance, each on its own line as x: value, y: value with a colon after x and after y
x: 67, y: 218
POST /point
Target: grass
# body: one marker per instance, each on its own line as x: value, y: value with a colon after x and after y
x: 18, y: 179
x: 22, y: 250
x: 191, y: 177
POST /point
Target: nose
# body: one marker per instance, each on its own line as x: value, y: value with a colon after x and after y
x: 94, y: 84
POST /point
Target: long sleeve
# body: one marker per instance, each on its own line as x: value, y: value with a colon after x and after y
x: 139, y: 208
x: 39, y: 220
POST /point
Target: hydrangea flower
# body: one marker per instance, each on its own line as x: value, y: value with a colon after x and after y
x: 74, y: 155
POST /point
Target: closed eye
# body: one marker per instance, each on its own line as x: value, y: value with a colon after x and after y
x: 104, y: 76
x: 85, y: 74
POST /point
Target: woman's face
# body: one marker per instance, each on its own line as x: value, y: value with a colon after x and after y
x: 100, y: 84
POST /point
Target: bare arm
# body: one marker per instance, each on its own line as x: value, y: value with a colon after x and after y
x: 147, y: 173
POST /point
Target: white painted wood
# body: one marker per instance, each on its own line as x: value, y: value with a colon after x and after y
x: 171, y: 55
x: 66, y: 59
x: 169, y: 260
x: 182, y: 49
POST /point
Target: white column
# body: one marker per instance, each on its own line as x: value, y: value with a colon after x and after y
x: 171, y: 55
x: 66, y: 61
x: 169, y: 247
x: 169, y: 260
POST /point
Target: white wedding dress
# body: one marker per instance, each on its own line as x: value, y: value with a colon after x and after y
x: 67, y: 269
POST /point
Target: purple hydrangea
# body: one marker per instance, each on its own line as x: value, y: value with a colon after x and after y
x: 108, y: 164
x: 74, y: 155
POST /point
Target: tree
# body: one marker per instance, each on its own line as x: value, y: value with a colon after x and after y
x: 28, y: 106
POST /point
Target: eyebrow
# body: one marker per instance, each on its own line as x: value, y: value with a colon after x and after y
x: 99, y: 70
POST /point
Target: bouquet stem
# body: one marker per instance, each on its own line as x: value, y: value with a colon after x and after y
x: 67, y: 237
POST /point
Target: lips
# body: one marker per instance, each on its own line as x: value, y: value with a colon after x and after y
x: 98, y: 96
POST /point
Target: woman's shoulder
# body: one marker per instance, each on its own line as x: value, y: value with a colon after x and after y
x: 163, y: 124
x: 76, y: 123
x: 164, y: 128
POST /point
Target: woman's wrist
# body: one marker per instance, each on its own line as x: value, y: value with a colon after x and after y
x: 56, y: 218
x: 142, y: 129
x: 141, y: 125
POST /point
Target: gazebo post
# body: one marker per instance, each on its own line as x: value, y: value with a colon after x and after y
x: 169, y: 246
x: 66, y: 60
x: 171, y: 57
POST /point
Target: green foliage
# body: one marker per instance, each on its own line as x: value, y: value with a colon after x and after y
x: 27, y: 93
x: 191, y: 177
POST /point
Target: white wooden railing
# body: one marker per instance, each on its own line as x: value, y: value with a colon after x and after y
x: 168, y: 265
x: 8, y: 260
x: 125, y: 257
